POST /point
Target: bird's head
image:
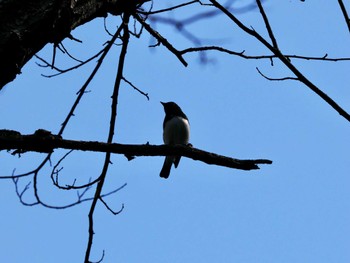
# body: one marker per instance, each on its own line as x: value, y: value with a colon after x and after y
x: 171, y: 108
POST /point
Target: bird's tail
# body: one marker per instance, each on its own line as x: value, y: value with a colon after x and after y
x: 165, y: 172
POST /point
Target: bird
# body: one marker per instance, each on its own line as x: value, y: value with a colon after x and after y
x: 176, y: 130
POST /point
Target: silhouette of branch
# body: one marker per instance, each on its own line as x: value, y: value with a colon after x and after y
x: 285, y: 61
x: 160, y: 38
x: 65, y: 51
x: 110, y: 209
x: 243, y: 55
x: 61, y: 71
x: 49, y: 143
x: 135, y: 88
x: 345, y: 13
x: 119, y: 76
x: 267, y: 24
x: 55, y: 173
x: 81, y: 92
x: 45, y: 134
x: 275, y: 79
x: 168, y: 9
x: 80, y: 196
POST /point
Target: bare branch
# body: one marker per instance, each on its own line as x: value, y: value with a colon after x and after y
x: 61, y: 71
x: 110, y: 209
x: 161, y: 39
x: 267, y: 24
x: 168, y: 9
x: 345, y: 13
x: 65, y: 51
x: 83, y: 88
x: 135, y: 88
x: 242, y: 54
x: 275, y: 79
x: 119, y: 76
x: 285, y: 61
x: 34, y: 143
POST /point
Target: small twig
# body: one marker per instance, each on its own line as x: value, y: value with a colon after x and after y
x: 55, y: 171
x: 20, y: 194
x: 54, y: 46
x: 275, y: 79
x: 110, y: 209
x: 105, y: 27
x: 61, y: 71
x: 135, y: 88
x: 168, y: 9
x: 69, y: 55
x: 70, y: 36
x: 101, y: 259
x: 47, y: 64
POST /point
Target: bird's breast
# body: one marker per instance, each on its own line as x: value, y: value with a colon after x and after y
x: 176, y: 131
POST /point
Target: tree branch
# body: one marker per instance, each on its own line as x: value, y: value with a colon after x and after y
x: 242, y: 54
x: 23, y: 143
x: 119, y: 76
x: 267, y: 24
x: 285, y: 61
x: 161, y: 39
x: 345, y: 13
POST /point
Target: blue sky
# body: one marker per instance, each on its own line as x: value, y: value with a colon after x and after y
x: 295, y: 210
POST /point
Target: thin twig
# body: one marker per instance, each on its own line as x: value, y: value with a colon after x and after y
x: 69, y: 55
x: 47, y: 64
x: 275, y: 79
x: 168, y: 9
x: 62, y: 71
x: 135, y: 88
x: 110, y: 209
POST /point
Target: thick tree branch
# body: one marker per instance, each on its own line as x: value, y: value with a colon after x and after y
x: 22, y: 143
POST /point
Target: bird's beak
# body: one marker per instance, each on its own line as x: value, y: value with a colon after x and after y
x: 162, y: 103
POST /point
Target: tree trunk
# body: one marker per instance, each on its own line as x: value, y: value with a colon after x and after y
x: 26, y: 26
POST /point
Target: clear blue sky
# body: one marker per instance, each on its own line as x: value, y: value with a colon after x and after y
x: 296, y: 210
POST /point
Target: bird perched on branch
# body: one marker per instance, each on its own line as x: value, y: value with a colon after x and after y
x: 176, y: 130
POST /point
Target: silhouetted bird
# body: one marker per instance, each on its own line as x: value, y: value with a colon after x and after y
x: 176, y: 130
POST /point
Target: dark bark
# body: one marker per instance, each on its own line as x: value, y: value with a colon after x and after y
x: 45, y: 142
x: 26, y: 26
